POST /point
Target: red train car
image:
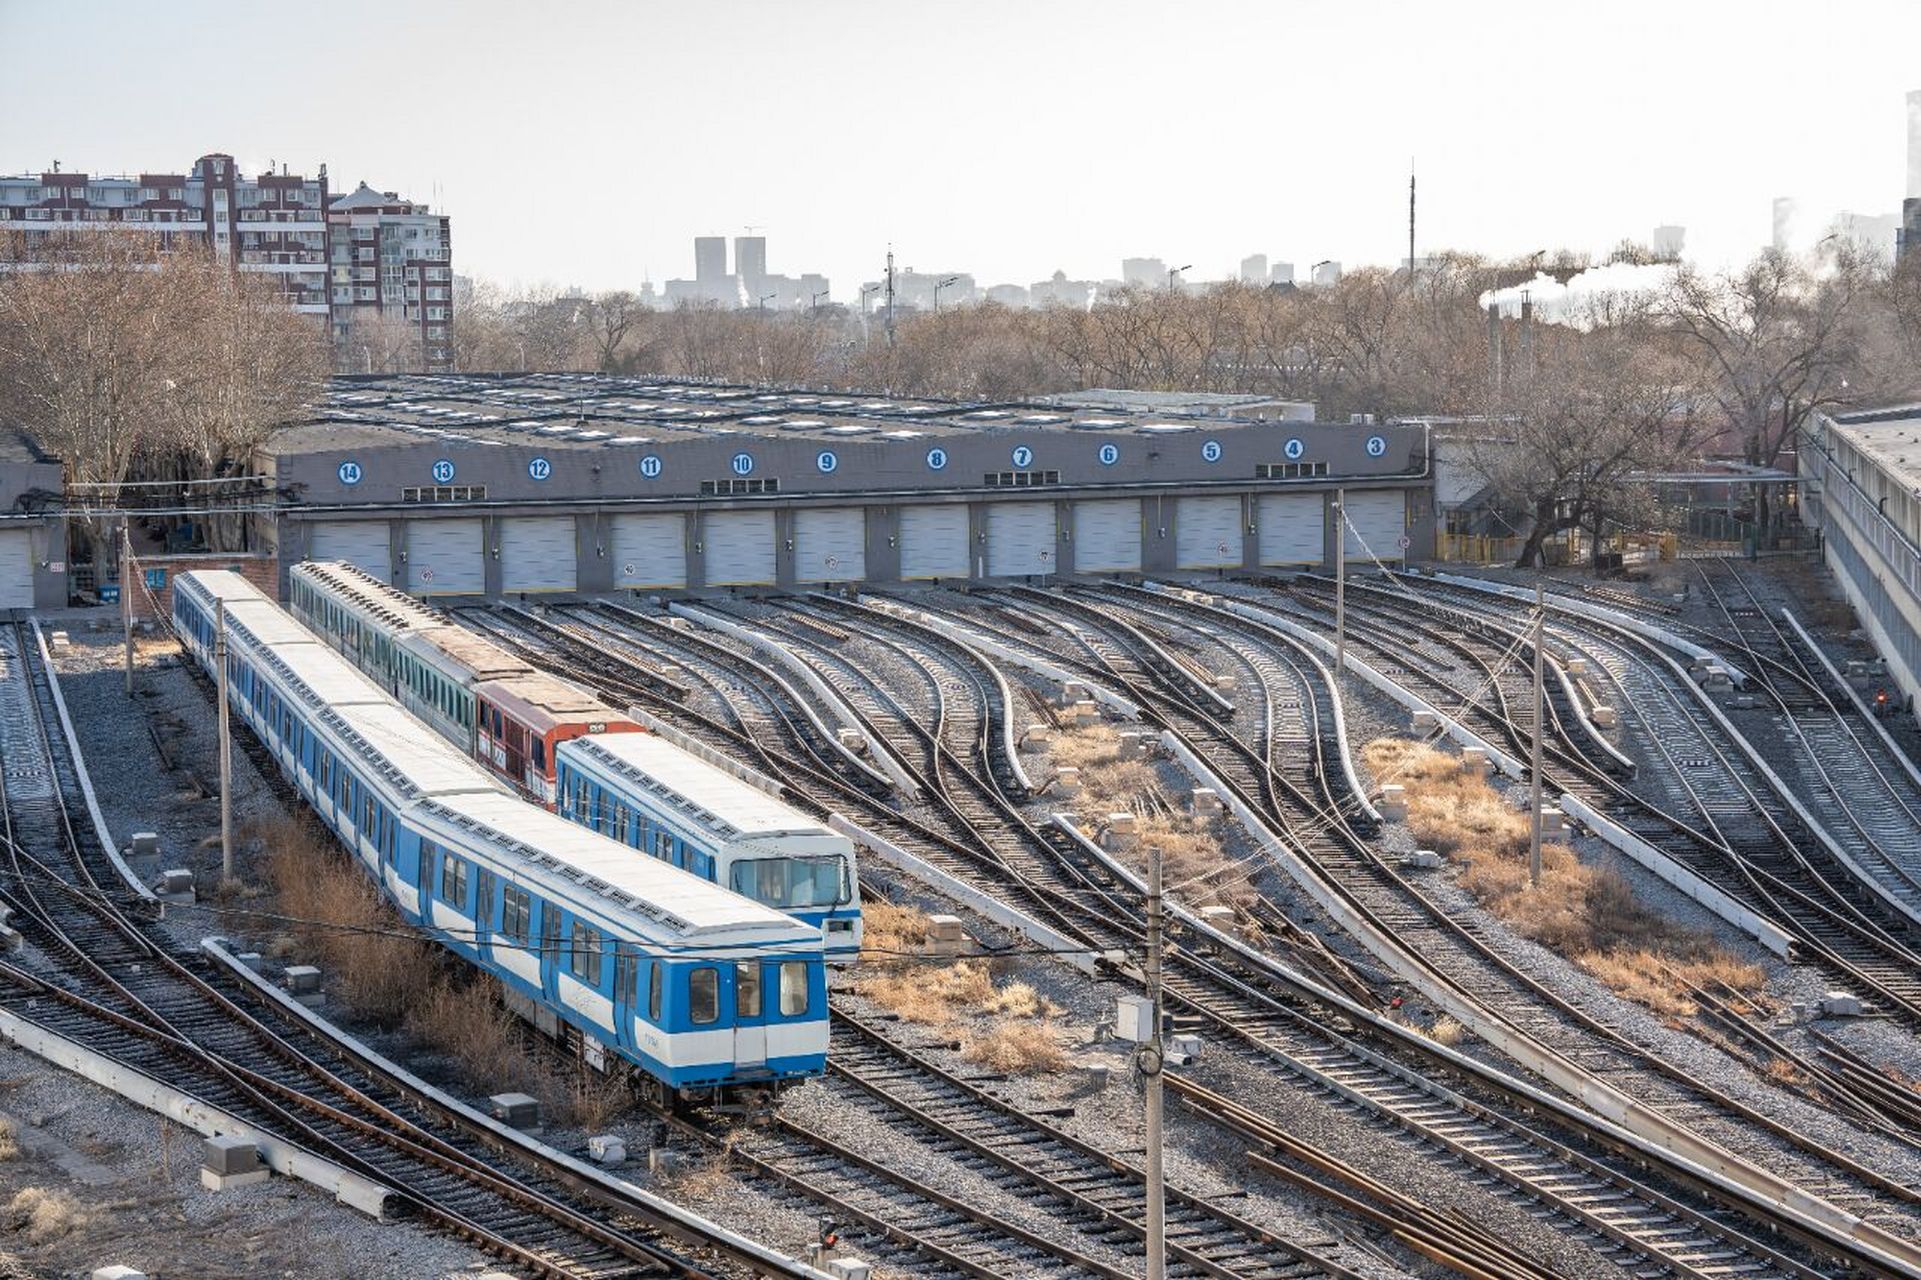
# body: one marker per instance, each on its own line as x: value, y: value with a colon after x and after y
x: 520, y: 719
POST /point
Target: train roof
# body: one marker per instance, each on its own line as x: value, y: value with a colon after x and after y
x: 264, y: 621
x: 478, y: 656
x: 706, y: 795
x: 354, y: 586
x: 218, y: 584
x: 319, y: 667
x: 430, y: 766
x: 540, y: 696
x: 587, y: 871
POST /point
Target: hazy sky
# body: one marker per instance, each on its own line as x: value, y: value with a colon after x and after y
x: 587, y: 143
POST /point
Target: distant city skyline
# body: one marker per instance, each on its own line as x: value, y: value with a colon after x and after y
x: 1029, y: 139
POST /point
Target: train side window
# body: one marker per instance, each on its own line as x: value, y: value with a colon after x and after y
x: 326, y: 772
x: 654, y: 984
x: 663, y: 846
x: 550, y: 932
x: 514, y: 912
x: 703, y: 995
x: 747, y: 990
x: 453, y: 881
x: 371, y: 812
x: 793, y: 988
x: 540, y: 753
x: 586, y: 958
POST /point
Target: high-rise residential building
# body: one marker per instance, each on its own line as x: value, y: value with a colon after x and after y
x: 1908, y: 237
x: 1058, y: 291
x: 1254, y: 269
x: 392, y: 264
x: 750, y: 261
x: 1667, y: 242
x: 274, y: 225
x: 1281, y: 273
x: 710, y: 259
x: 1326, y: 274
x: 1787, y: 223
x: 1144, y: 273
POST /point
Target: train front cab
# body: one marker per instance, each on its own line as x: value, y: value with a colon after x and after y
x: 698, y: 1025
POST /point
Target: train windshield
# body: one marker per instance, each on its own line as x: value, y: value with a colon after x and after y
x: 793, y: 883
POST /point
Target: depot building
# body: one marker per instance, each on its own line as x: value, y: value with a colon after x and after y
x: 491, y: 486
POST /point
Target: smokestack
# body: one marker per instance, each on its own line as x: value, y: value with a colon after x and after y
x: 1495, y: 374
x: 1914, y: 143
x: 1527, y: 335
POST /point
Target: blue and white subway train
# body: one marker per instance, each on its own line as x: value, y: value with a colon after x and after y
x: 699, y: 988
x: 648, y: 793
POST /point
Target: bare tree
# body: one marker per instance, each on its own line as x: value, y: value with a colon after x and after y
x: 610, y: 317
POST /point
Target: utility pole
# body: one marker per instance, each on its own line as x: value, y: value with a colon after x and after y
x: 226, y: 741
x: 890, y: 296
x: 1152, y: 1059
x: 1534, y: 765
x: 126, y: 595
x: 1340, y: 587
x: 1410, y: 221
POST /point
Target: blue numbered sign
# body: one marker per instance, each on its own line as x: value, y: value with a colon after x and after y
x: 1376, y: 446
x: 650, y: 466
x: 539, y: 468
x: 1295, y: 448
x: 743, y: 464
x: 936, y: 459
x: 1110, y: 454
x: 1211, y: 451
x: 1022, y: 455
x: 826, y: 461
x: 444, y: 471
x: 350, y: 473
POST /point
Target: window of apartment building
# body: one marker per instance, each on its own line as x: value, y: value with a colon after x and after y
x: 436, y: 313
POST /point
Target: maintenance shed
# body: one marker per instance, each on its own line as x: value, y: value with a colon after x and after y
x: 557, y: 484
x: 33, y: 530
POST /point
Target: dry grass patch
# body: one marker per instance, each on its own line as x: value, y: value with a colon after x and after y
x: 43, y: 1215
x: 1029, y: 1048
x: 1446, y: 1030
x: 1107, y: 781
x: 1194, y: 864
x: 891, y: 931
x: 936, y: 994
x: 1589, y: 915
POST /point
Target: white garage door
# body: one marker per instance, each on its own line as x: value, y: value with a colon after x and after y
x: 16, y: 569
x: 1020, y: 539
x: 933, y: 541
x: 739, y: 548
x: 650, y: 550
x: 830, y: 546
x: 537, y: 554
x: 1107, y: 536
x: 361, y: 543
x: 444, y: 558
x: 1208, y: 533
x: 1293, y: 528
x: 1378, y: 518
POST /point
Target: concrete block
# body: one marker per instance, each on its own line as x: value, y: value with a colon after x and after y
x: 1183, y: 1050
x: 850, y: 1269
x: 175, y: 883
x: 249, y: 958
x: 1577, y: 666
x: 853, y: 740
x: 1715, y: 679
x: 945, y: 936
x: 1223, y: 682
x: 144, y: 844
x: 1604, y: 717
x: 1120, y: 820
x: 1423, y: 860
x: 58, y: 640
x: 1073, y: 691
x: 1840, y: 1004
x: 364, y: 1197
x: 1130, y: 745
x: 1476, y: 760
x: 1553, y: 821
x: 1134, y: 1019
x: 1393, y: 802
x: 606, y: 1149
x: 517, y: 1110
x: 118, y: 1273
x: 1206, y: 800
x: 1092, y: 1075
x: 1426, y: 722
x: 665, y: 1162
x: 302, y: 982
x: 1067, y: 781
x: 1036, y: 736
x: 229, y: 1153
x: 233, y: 1181
x: 1119, y: 841
x: 1220, y: 917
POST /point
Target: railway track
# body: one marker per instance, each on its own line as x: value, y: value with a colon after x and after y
x: 107, y: 979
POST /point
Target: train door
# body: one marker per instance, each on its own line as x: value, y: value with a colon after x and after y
x: 550, y: 952
x: 750, y: 1017
x: 626, y: 994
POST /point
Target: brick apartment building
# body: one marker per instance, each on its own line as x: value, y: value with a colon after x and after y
x: 362, y: 258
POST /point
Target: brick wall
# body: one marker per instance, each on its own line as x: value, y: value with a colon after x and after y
x: 153, y: 577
